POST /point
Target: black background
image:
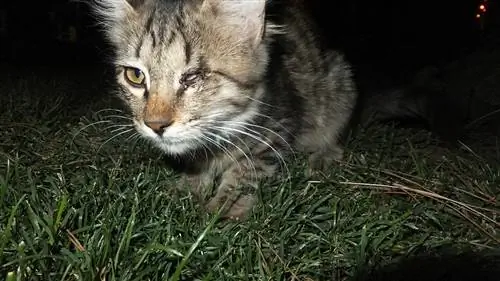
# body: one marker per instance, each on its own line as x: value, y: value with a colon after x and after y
x: 398, y: 37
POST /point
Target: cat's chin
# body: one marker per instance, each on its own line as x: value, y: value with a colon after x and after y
x: 173, y: 145
x: 176, y: 148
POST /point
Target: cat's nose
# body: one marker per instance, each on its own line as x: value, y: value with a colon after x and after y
x: 158, y: 126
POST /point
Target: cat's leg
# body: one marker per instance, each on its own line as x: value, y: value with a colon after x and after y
x: 323, y: 149
x: 197, y: 184
x: 333, y: 115
x: 323, y: 159
x: 236, y: 191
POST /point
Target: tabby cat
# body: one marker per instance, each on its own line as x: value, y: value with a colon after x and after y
x: 233, y: 88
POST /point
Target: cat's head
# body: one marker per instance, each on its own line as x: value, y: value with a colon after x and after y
x: 187, y: 68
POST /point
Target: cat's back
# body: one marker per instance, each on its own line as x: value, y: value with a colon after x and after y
x: 314, y: 68
x: 318, y: 78
x: 298, y: 36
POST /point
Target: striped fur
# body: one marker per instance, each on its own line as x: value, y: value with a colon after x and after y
x: 232, y: 88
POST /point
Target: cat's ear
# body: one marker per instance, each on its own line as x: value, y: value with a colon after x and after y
x: 246, y: 17
x: 135, y: 4
x: 113, y: 10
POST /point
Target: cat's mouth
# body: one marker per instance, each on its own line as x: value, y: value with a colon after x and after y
x: 176, y: 139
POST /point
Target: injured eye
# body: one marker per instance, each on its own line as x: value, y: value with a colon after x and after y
x: 189, y: 79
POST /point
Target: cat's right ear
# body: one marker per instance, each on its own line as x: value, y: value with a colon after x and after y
x: 112, y: 11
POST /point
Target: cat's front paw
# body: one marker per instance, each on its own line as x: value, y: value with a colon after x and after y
x: 233, y: 209
x: 322, y: 161
x: 193, y: 184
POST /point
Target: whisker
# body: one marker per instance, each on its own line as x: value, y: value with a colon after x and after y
x: 205, y: 147
x: 137, y: 139
x: 119, y: 117
x: 276, y: 152
x: 134, y: 135
x: 88, y: 126
x: 109, y: 109
x: 274, y: 121
x: 119, y: 129
x: 250, y: 161
x: 260, y: 102
x: 119, y: 124
x: 113, y: 137
x: 221, y: 147
x: 244, y: 124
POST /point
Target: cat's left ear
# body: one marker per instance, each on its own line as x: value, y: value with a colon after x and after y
x: 245, y: 17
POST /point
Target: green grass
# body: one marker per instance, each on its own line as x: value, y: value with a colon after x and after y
x: 77, y: 204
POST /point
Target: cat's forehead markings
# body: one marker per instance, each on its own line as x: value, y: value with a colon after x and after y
x: 183, y: 37
x: 177, y: 50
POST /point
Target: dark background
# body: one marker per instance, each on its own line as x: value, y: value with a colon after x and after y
x: 397, y: 37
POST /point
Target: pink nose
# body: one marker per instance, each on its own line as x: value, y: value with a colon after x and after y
x: 158, y: 126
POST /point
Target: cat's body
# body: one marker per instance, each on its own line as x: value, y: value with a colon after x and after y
x: 232, y: 88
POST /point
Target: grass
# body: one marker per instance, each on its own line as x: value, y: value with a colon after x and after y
x: 78, y: 204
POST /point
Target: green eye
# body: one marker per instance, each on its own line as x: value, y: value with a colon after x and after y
x: 134, y: 76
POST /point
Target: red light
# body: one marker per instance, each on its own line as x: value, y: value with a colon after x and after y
x: 482, y: 7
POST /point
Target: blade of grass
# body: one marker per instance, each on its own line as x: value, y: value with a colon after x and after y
x: 180, y: 267
x: 6, y: 234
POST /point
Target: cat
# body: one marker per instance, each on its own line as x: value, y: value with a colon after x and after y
x: 231, y: 89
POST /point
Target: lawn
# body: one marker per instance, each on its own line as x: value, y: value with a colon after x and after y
x: 82, y: 198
